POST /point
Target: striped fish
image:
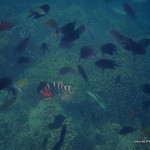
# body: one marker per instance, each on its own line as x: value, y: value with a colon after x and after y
x: 46, y: 89
x: 24, y: 34
x: 97, y: 98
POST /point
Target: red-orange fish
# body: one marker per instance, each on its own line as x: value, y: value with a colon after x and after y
x: 53, y: 24
x: 46, y: 89
x: 5, y: 25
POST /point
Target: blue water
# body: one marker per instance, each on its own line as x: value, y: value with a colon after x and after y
x: 25, y: 116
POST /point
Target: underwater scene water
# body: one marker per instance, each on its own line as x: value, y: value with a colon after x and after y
x: 74, y: 75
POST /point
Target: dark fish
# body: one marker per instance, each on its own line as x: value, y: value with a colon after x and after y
x: 80, y: 30
x: 129, y: 11
x: 108, y: 48
x: 5, y: 25
x: 74, y: 35
x: 66, y: 70
x: 45, y: 7
x: 58, y: 145
x: 68, y: 28
x: 58, y: 121
x: 70, y: 35
x: 128, y: 43
x: 39, y: 12
x: 67, y: 40
x: 22, y: 45
x: 82, y: 73
x: 126, y: 129
x: 23, y: 60
x: 146, y: 88
x: 87, y: 52
x: 63, y: 132
x: 5, y: 82
x: 134, y: 47
x: 46, y: 89
x: 144, y: 42
x: 43, y: 48
x: 106, y: 64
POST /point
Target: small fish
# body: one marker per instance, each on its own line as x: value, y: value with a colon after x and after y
x: 46, y: 89
x: 43, y: 48
x: 108, y: 48
x: 97, y: 98
x: 82, y: 73
x: 40, y: 11
x: 23, y: 60
x: 129, y: 11
x: 53, y: 24
x: 5, y: 82
x: 87, y: 52
x: 106, y: 64
x: 21, y: 84
x: 5, y: 25
x: 66, y: 70
x: 126, y: 130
